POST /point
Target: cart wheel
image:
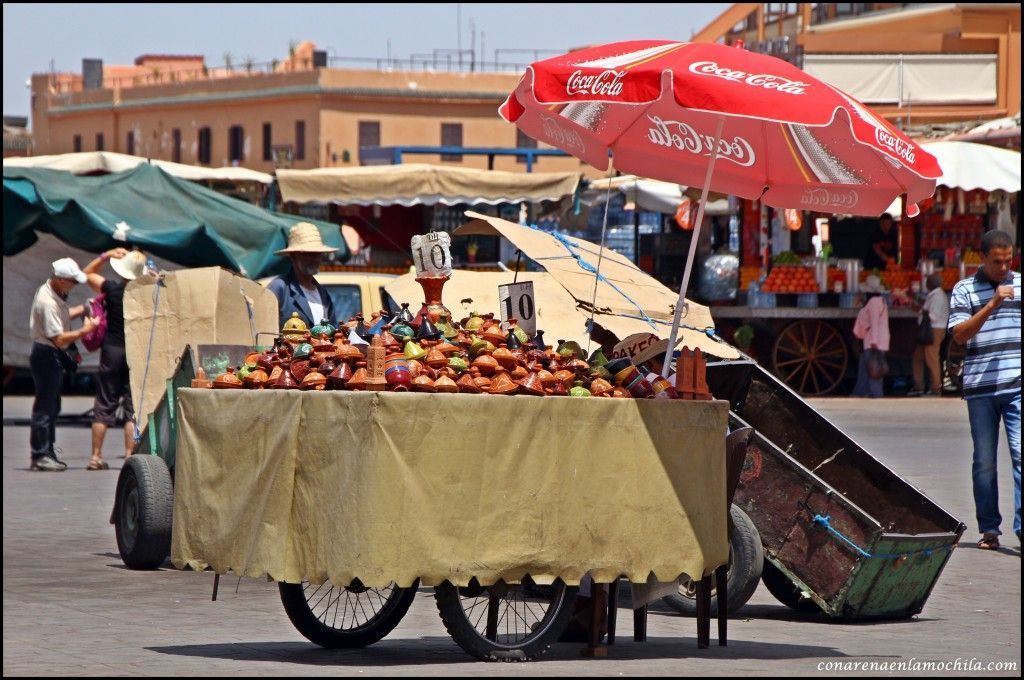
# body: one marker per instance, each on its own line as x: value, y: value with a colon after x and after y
x: 811, y: 357
x: 505, y: 622
x: 143, y: 511
x: 345, y: 618
x: 785, y: 591
x: 953, y: 367
x: 746, y: 556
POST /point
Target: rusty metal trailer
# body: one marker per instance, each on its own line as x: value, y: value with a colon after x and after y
x: 841, y: 532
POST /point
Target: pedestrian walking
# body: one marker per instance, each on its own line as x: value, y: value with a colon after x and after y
x: 113, y: 404
x: 872, y: 327
x: 936, y: 307
x: 53, y: 356
x: 985, y: 317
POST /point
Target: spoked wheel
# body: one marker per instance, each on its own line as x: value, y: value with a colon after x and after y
x: 505, y: 622
x: 811, y: 357
x: 345, y: 618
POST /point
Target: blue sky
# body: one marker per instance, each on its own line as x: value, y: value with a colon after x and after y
x: 36, y: 34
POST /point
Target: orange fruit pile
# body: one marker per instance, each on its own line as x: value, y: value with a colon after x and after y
x: 790, y: 279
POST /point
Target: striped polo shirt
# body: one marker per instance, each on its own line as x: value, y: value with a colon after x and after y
x: 992, y: 363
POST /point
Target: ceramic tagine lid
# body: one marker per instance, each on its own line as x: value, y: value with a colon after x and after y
x: 467, y: 385
x: 256, y: 379
x: 295, y: 329
x: 314, y: 380
x: 578, y: 390
x: 501, y: 383
x: 423, y: 383
x: 228, y: 380
x: 446, y: 385
x: 322, y: 328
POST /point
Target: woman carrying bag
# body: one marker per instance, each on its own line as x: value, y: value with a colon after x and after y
x: 936, y: 311
x: 872, y: 327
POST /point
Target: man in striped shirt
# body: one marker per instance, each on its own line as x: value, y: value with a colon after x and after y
x: 985, y: 317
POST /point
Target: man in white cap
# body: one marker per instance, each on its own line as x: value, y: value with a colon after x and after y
x: 52, y: 357
x: 113, y: 404
x: 298, y: 291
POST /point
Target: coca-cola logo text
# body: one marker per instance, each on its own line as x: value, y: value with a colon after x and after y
x: 829, y: 198
x: 765, y: 80
x: 562, y: 137
x: 605, y: 84
x: 900, y: 147
x: 683, y: 136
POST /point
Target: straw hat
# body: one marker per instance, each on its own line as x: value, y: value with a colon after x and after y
x: 872, y: 284
x: 131, y: 266
x: 305, y: 238
x: 650, y: 347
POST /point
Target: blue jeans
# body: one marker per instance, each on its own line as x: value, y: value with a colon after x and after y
x: 866, y: 385
x: 984, y: 414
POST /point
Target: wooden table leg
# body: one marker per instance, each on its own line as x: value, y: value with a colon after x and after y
x: 722, y: 597
x: 640, y: 624
x: 704, y: 612
x: 613, y: 606
x: 598, y: 602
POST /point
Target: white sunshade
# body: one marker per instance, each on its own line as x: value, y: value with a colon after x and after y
x: 109, y: 161
x: 966, y: 165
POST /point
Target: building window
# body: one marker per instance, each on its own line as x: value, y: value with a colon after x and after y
x: 369, y: 135
x: 76, y: 143
x: 300, y: 140
x: 268, y: 153
x: 204, y: 145
x: 524, y: 141
x: 236, y: 144
x: 176, y: 145
x: 130, y: 143
x: 99, y: 141
x: 451, y: 135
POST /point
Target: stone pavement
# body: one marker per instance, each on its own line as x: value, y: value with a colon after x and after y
x: 71, y: 608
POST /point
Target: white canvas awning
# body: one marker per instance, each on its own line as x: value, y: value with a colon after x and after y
x: 628, y: 299
x: 966, y: 165
x: 653, y: 195
x: 88, y: 162
x: 422, y: 184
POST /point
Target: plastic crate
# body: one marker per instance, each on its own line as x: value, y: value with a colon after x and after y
x: 758, y: 299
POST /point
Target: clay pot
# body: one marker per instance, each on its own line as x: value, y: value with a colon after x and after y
x: 256, y: 379
x: 339, y: 376
x: 322, y: 328
x: 504, y: 357
x: 481, y: 346
x: 416, y: 368
x: 299, y: 369
x: 303, y: 351
x: 600, y: 387
x: 286, y: 380
x: 403, y: 332
x: 435, y: 359
x: 448, y: 349
x: 569, y: 349
x: 474, y: 323
x: 428, y: 331
x: 616, y: 365
x: 557, y: 389
x: 547, y: 378
x: 467, y: 385
x: 446, y: 385
x: 663, y: 388
x: 414, y: 351
x: 641, y: 389
x: 578, y: 390
x: 295, y: 330
x: 201, y: 381
x: 565, y: 377
x: 619, y: 393
x: 531, y: 384
x: 396, y: 372
x: 391, y: 343
x: 423, y: 384
x: 482, y: 381
x: 502, y: 383
x: 493, y: 335
x: 519, y: 373
x: 314, y: 380
x: 228, y: 380
x: 458, y: 364
x: 486, y: 364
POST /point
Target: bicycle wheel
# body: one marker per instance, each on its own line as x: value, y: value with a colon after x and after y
x: 345, y: 618
x: 505, y: 622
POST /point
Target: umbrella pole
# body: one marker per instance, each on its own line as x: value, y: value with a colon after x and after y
x: 681, y: 302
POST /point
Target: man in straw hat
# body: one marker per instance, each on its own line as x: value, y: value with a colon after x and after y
x: 298, y: 291
x: 52, y: 341
x: 113, y: 404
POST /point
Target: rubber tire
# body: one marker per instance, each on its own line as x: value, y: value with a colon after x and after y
x: 313, y: 629
x: 145, y: 494
x: 785, y: 591
x: 449, y: 605
x: 746, y: 557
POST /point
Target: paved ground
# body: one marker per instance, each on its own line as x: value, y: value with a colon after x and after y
x: 71, y: 608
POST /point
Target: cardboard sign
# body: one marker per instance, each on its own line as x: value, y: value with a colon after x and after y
x: 432, y: 254
x: 517, y: 302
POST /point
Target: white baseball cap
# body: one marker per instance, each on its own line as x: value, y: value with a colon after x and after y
x: 66, y: 268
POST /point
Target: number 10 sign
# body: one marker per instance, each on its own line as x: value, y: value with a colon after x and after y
x: 432, y: 254
x: 517, y: 302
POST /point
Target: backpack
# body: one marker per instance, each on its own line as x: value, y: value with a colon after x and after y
x: 97, y: 309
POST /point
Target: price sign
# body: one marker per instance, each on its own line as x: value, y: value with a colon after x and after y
x: 432, y: 254
x: 517, y: 302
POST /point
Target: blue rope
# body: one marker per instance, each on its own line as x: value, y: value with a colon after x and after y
x: 586, y: 266
x: 826, y: 523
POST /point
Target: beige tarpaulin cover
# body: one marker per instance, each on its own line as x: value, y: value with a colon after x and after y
x: 109, y: 161
x: 422, y: 184
x: 624, y: 299
x: 394, y: 486
x: 209, y: 305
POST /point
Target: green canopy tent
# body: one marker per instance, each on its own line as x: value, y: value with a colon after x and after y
x: 145, y: 207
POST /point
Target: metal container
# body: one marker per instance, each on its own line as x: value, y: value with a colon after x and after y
x: 821, y: 275
x: 802, y: 472
x: 852, y: 268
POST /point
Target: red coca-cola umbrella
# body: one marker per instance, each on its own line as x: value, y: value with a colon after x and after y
x: 727, y: 119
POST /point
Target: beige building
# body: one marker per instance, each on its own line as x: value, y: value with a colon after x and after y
x: 288, y: 114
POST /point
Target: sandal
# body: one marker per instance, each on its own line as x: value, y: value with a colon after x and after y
x: 989, y: 542
x: 97, y: 464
